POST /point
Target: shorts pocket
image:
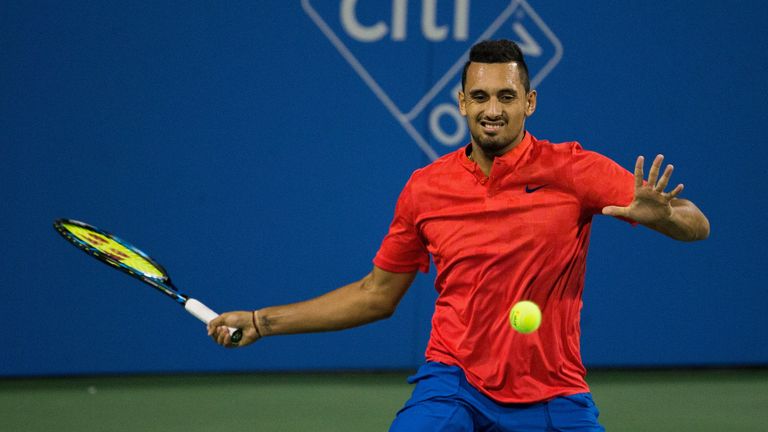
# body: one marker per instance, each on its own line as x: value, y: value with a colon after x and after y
x: 435, y: 380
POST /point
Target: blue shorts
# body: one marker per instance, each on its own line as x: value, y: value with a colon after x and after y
x: 443, y: 400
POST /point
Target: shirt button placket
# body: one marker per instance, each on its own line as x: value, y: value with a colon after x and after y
x: 491, y: 186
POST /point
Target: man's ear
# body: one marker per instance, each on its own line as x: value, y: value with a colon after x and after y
x: 462, y: 104
x: 530, y: 107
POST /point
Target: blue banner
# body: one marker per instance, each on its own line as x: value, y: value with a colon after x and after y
x: 257, y: 149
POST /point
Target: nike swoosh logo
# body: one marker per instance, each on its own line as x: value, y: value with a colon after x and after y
x: 529, y: 189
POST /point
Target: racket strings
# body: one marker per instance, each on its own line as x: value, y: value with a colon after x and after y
x: 116, y: 251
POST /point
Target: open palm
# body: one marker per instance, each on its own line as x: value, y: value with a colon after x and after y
x: 650, y: 204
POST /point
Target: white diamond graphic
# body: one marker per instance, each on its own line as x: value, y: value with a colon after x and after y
x: 517, y: 21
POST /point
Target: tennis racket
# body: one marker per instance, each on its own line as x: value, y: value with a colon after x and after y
x: 123, y: 256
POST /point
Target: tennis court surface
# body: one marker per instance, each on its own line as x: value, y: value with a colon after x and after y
x: 668, y: 400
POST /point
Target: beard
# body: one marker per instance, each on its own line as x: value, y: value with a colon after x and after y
x: 499, y: 143
x: 492, y: 146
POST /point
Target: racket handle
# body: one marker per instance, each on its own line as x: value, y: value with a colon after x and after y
x: 205, y: 314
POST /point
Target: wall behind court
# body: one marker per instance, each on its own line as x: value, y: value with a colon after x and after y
x: 257, y: 152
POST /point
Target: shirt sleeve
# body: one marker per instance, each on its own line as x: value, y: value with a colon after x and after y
x: 600, y: 182
x: 402, y: 250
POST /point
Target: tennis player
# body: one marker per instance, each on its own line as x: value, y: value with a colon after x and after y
x: 507, y: 218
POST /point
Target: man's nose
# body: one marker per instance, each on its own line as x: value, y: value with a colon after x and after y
x: 494, y: 108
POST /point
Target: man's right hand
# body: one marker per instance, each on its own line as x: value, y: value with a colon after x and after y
x: 218, y: 328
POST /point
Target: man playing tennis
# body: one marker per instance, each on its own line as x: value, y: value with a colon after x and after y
x: 507, y: 218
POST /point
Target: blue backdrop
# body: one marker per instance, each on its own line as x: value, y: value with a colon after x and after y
x: 257, y: 150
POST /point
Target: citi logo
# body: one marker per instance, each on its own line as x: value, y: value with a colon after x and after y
x: 411, y: 53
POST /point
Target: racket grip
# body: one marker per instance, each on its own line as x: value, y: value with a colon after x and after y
x: 205, y: 314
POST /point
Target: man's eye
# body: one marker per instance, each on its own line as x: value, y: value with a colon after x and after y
x: 479, y: 97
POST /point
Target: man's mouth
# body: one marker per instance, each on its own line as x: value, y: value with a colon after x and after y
x: 491, y: 126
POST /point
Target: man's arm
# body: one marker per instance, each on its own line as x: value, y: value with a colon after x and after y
x: 662, y: 211
x: 369, y: 299
x: 686, y: 223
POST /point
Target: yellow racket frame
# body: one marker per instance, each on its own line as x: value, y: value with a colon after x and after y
x: 121, y: 255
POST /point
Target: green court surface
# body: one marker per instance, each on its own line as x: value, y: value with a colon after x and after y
x: 678, y: 400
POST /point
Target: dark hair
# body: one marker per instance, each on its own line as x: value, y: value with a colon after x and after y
x: 497, y: 51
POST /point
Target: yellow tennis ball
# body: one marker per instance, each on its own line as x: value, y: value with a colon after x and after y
x: 525, y: 317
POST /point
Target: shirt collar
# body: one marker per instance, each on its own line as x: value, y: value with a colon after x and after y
x: 507, y: 161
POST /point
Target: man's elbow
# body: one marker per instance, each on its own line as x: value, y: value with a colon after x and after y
x: 381, y: 309
x: 692, y: 224
x: 704, y: 232
x: 383, y: 294
x: 701, y: 230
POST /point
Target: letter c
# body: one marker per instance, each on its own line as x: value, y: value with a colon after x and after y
x: 355, y: 29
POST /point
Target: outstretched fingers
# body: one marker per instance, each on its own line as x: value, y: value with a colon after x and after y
x: 653, y: 174
x: 658, y: 184
x: 676, y: 191
x: 639, y: 172
x: 664, y: 180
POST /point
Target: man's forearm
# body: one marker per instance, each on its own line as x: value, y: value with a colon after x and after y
x: 686, y: 223
x: 349, y: 306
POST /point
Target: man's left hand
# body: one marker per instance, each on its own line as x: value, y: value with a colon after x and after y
x: 651, y: 204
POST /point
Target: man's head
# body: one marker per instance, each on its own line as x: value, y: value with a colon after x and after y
x: 496, y: 97
x: 497, y: 51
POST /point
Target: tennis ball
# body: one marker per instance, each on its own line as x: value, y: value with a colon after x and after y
x: 525, y: 317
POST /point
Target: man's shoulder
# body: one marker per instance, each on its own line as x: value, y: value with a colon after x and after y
x: 442, y: 165
x: 566, y: 151
x: 565, y: 147
x: 576, y: 160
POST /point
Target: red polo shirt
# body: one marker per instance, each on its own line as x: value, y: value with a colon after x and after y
x: 519, y: 234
